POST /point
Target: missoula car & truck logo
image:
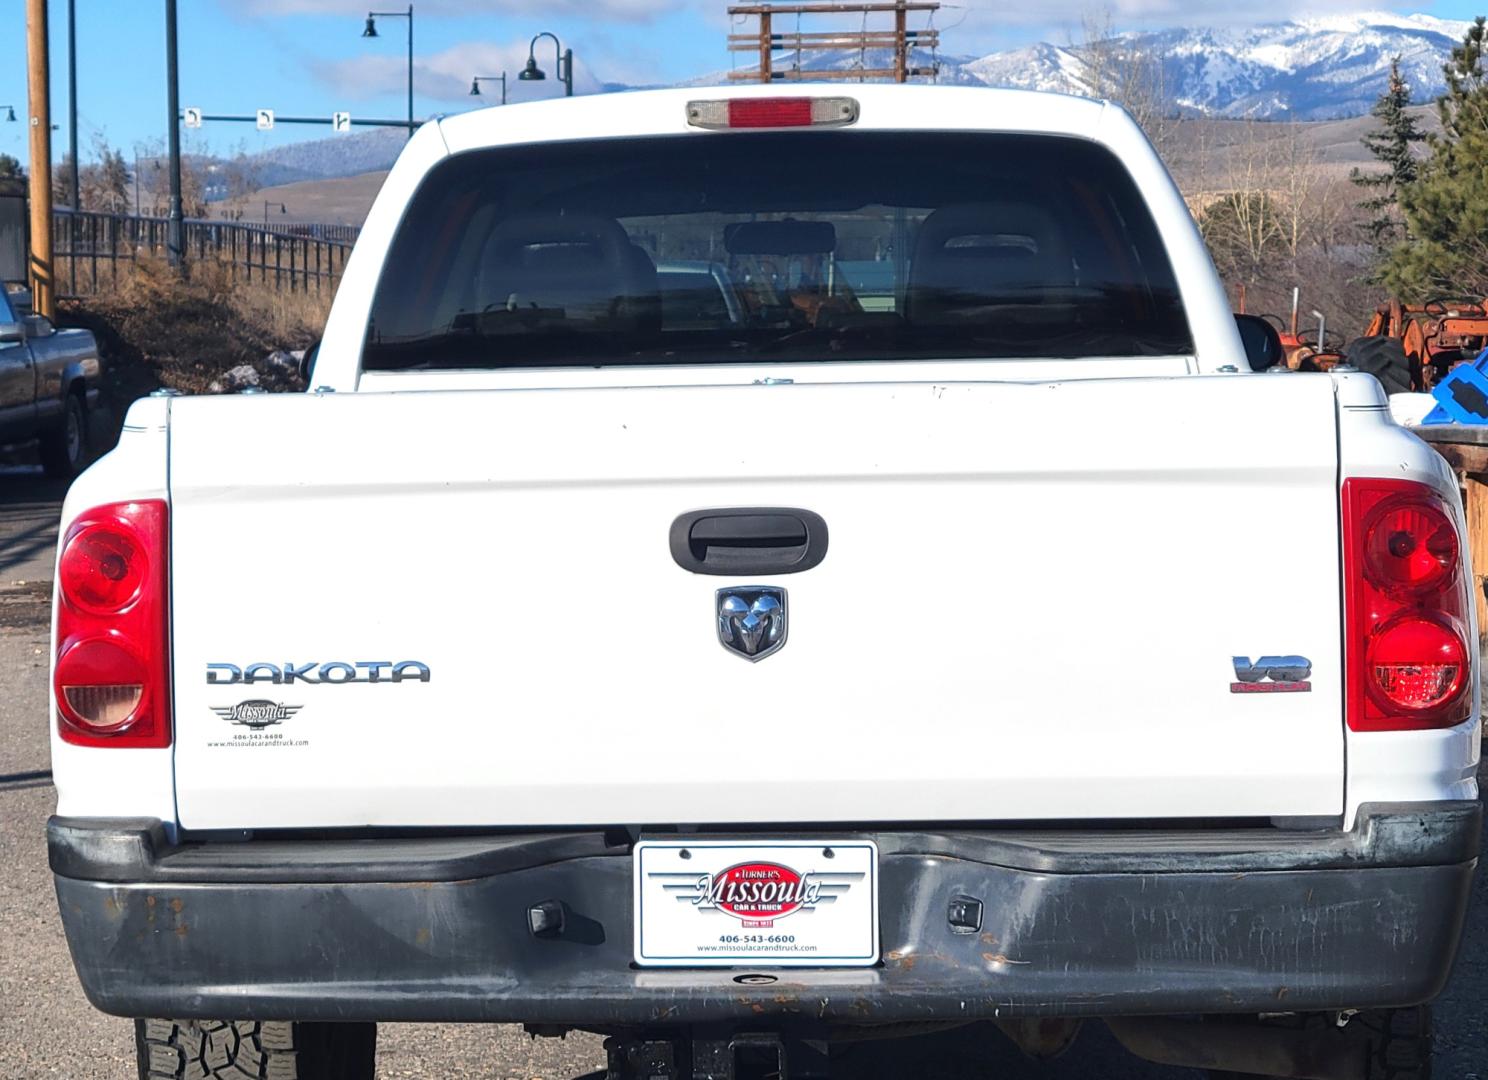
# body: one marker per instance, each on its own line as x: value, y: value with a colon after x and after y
x: 758, y: 893
x: 256, y: 714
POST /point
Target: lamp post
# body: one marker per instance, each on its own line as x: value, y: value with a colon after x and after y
x: 267, y: 203
x: 370, y: 31
x: 533, y: 73
x: 175, y: 233
x: 475, y: 90
x: 9, y: 113
x: 72, y: 132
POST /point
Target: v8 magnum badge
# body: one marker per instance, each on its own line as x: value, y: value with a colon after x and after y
x: 751, y: 620
x: 1272, y: 675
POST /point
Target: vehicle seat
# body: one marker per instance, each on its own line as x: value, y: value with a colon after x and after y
x: 569, y: 271
x: 974, y: 258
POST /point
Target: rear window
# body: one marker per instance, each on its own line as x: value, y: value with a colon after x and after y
x: 736, y: 248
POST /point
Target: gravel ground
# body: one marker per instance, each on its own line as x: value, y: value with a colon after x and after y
x: 48, y: 1029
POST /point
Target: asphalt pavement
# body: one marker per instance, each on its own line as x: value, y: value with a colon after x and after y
x: 48, y: 1029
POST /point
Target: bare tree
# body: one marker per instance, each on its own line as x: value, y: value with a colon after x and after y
x: 1274, y: 218
x: 1295, y: 175
x: 156, y: 182
x: 105, y: 182
x: 1115, y: 68
x: 1244, y: 222
x: 242, y: 176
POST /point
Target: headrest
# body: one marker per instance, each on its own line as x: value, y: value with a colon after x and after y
x: 581, y: 269
x: 973, y: 256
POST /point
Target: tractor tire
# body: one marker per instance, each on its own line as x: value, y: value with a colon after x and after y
x: 238, y: 1049
x: 1382, y: 357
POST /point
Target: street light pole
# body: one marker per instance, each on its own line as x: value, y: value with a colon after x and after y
x: 371, y: 32
x: 475, y: 90
x: 174, y: 238
x: 72, y: 132
x: 564, y: 63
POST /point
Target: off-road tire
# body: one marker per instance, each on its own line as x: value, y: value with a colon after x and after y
x: 64, y: 446
x: 252, y: 1050
x: 1399, y: 1046
x: 1382, y: 357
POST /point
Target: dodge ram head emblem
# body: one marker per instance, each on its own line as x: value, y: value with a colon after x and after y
x: 751, y: 620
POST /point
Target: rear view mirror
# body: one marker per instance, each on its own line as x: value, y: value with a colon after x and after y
x: 38, y: 326
x: 1263, y: 347
x: 780, y: 238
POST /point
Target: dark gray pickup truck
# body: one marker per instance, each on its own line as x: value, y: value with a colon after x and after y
x: 48, y: 383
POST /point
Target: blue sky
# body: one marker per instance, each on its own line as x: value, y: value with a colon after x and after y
x: 307, y: 57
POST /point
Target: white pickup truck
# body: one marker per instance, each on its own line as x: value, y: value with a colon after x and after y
x: 955, y: 631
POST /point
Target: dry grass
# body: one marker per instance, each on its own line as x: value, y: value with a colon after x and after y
x: 156, y: 329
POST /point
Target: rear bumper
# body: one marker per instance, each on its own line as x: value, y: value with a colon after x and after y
x: 1074, y: 923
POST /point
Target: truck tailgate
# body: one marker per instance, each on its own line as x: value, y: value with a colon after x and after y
x: 1029, y: 609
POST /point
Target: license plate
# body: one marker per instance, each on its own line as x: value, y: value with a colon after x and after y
x: 786, y: 903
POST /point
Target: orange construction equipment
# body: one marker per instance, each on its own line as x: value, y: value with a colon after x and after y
x: 1436, y: 335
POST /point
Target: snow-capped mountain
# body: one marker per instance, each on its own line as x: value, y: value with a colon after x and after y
x: 1311, y: 69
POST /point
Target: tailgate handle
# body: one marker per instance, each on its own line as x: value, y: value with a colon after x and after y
x: 749, y: 540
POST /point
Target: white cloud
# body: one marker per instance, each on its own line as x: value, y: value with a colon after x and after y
x: 612, y: 10
x: 445, y: 76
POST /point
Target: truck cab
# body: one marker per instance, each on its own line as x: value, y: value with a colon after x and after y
x: 48, y: 384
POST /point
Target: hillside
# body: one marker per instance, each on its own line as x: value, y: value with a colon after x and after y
x: 339, y: 200
x: 1310, y: 69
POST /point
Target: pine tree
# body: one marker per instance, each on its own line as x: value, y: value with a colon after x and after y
x: 12, y: 176
x: 1464, y: 107
x: 1393, y: 146
x: 1446, y: 207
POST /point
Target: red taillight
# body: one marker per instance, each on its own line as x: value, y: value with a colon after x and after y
x: 112, y: 670
x: 1416, y: 663
x: 1409, y: 546
x: 1406, y: 608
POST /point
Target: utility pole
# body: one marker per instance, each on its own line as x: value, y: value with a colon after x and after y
x: 72, y: 132
x: 766, y: 44
x: 174, y: 241
x: 769, y: 39
x: 410, y: 71
x: 43, y: 298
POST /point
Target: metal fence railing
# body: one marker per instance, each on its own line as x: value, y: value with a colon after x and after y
x: 345, y: 234
x: 89, y: 248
